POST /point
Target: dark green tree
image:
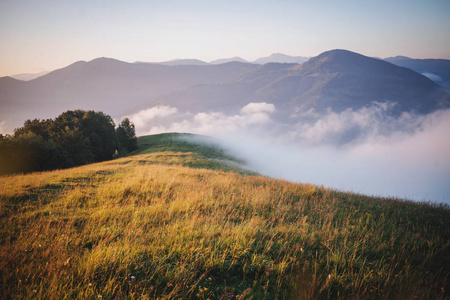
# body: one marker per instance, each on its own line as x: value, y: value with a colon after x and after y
x: 29, y: 152
x: 76, y: 145
x: 126, y: 137
x: 99, y: 129
x: 7, y: 155
x: 36, y: 126
x: 74, y: 138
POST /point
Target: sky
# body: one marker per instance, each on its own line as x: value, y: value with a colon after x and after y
x: 44, y: 35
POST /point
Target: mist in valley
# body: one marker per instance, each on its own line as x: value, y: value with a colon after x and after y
x: 368, y: 151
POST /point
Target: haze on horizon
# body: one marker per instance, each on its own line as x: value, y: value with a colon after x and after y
x: 49, y: 34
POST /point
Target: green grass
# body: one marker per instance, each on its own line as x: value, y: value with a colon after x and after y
x: 197, y: 152
x: 149, y: 226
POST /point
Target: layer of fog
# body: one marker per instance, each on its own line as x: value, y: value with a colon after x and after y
x: 366, y: 151
x: 434, y: 77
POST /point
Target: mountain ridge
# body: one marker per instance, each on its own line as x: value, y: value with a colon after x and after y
x: 104, y: 84
x: 281, y: 58
x: 336, y: 79
x: 226, y: 60
x: 437, y: 70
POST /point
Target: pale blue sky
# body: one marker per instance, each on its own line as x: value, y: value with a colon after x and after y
x: 48, y: 34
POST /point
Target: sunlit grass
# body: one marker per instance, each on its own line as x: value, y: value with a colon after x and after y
x: 146, y: 226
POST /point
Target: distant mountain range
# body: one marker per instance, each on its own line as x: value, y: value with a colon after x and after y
x: 276, y: 57
x: 437, y: 70
x: 273, y: 58
x: 227, y: 60
x: 183, y: 62
x: 335, y: 80
x: 29, y: 76
x: 105, y: 84
x: 281, y: 58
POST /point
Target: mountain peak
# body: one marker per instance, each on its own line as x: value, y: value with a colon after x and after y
x: 29, y: 76
x: 281, y: 58
x: 339, y: 60
x: 227, y: 60
x: 397, y: 58
x: 184, y: 62
x: 106, y: 60
x: 102, y: 58
x: 10, y: 80
x: 278, y: 55
x: 338, y: 54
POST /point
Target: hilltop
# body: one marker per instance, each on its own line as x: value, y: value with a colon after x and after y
x: 196, y: 152
x: 175, y: 220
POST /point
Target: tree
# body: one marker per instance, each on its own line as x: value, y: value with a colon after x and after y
x: 7, y: 155
x: 74, y: 138
x: 126, y: 137
x: 99, y: 129
x: 36, y: 126
x: 96, y: 127
x: 76, y: 145
x: 29, y: 152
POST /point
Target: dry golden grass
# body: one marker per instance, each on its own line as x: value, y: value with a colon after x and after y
x: 144, y: 227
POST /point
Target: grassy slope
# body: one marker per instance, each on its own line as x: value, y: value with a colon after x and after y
x: 145, y: 226
x: 197, y: 152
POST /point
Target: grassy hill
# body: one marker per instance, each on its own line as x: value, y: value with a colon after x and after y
x: 191, y: 150
x: 177, y: 220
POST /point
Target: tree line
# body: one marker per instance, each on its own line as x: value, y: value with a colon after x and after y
x: 72, y: 139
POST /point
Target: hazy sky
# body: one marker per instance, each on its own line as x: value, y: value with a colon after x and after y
x: 48, y: 34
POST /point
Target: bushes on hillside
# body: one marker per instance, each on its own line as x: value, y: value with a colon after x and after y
x: 73, y: 138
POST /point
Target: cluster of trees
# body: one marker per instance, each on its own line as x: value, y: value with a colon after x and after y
x: 73, y: 138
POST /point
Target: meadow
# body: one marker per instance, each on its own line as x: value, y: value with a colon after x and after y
x: 179, y: 220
